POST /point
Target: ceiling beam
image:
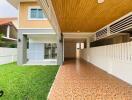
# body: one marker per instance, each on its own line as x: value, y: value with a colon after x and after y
x: 79, y: 35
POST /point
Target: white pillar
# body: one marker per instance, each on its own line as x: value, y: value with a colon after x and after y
x: 8, y: 31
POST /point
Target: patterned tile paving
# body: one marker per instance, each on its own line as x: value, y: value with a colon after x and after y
x: 79, y: 80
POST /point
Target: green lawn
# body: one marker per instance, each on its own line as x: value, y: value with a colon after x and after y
x: 26, y: 82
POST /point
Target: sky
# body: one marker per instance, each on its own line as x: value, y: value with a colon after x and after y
x: 7, y: 10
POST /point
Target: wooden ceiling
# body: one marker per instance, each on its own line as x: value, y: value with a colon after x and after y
x: 88, y: 15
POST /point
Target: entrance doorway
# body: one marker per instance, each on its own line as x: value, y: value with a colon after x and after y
x: 72, y: 48
x: 79, y: 46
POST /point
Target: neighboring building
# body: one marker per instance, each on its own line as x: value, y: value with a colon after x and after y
x: 8, y: 31
x: 36, y: 37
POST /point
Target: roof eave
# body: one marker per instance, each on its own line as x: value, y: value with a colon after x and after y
x: 15, y: 3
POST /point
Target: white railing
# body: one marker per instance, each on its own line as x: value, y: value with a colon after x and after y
x: 8, y: 55
x: 115, y: 59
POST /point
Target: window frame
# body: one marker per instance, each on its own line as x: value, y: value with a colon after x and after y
x: 29, y: 13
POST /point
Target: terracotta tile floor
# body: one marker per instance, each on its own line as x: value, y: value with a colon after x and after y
x: 78, y: 80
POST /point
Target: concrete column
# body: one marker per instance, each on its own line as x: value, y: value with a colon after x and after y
x: 21, y: 48
x: 59, y: 50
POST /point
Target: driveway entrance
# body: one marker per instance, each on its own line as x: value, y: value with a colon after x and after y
x: 79, y: 80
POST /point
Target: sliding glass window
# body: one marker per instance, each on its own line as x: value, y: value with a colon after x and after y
x: 50, y: 51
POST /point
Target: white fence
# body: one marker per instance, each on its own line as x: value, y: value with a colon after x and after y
x: 8, y: 55
x: 115, y: 59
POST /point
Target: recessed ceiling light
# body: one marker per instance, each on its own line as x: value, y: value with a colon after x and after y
x: 78, y: 30
x: 100, y: 1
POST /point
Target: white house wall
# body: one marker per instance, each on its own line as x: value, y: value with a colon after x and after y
x: 36, y: 51
x: 42, y: 38
x: 36, y: 45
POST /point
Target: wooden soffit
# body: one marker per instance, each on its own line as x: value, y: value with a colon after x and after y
x: 88, y: 15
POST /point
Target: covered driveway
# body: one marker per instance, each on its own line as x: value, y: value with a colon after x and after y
x: 79, y: 80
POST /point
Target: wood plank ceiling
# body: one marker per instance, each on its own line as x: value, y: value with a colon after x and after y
x: 88, y: 15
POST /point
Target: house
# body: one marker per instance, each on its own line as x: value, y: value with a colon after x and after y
x: 36, y: 37
x: 53, y: 39
x: 61, y: 31
x: 8, y: 30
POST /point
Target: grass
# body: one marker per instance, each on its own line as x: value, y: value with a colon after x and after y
x: 26, y: 82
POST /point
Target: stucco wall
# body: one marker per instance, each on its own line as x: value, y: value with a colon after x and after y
x: 23, y: 17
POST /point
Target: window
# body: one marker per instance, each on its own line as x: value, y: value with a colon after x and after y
x: 36, y: 13
x: 50, y: 51
x: 77, y: 45
x: 80, y: 45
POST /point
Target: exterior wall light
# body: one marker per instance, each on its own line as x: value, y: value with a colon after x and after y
x: 78, y: 31
x: 19, y: 40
